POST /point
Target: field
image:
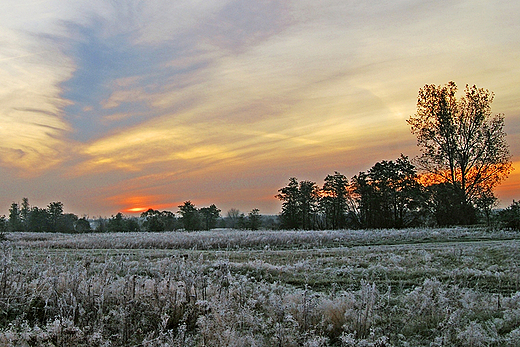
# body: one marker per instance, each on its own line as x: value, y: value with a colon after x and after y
x: 416, y: 287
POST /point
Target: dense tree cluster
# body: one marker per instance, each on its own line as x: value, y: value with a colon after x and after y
x: 204, y: 218
x: 391, y: 194
x: 155, y: 220
x: 23, y: 217
x: 386, y: 196
x: 306, y: 206
x: 252, y: 221
x: 510, y: 217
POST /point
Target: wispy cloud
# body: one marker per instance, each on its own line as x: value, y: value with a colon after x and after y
x: 170, y: 98
x: 32, y: 124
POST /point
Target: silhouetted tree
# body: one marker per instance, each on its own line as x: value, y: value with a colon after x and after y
x: 120, y: 223
x: 242, y: 222
x: 290, y: 197
x: 485, y: 203
x: 308, y: 196
x: 233, y: 218
x: 24, y: 213
x: 152, y: 220
x: 510, y: 217
x: 66, y: 223
x: 448, y: 207
x: 254, y: 219
x: 169, y: 220
x: 190, y: 217
x: 39, y: 220
x: 116, y: 223
x: 55, y: 211
x: 336, y: 202
x: 209, y: 216
x: 131, y: 224
x: 15, y: 222
x: 389, y: 195
x: 82, y: 225
x: 462, y: 144
x: 299, y: 204
x: 3, y: 227
x: 155, y: 220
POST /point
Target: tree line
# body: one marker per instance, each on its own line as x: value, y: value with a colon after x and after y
x: 464, y: 156
x: 391, y: 194
x: 23, y: 217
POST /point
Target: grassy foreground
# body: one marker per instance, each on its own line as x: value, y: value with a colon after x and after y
x: 418, y: 287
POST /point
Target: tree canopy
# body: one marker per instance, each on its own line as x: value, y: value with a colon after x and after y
x: 388, y: 195
x: 462, y: 143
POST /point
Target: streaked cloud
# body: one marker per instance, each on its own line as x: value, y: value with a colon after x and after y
x: 153, y: 103
x: 32, y: 124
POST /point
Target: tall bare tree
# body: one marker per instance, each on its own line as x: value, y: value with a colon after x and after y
x: 233, y: 217
x: 462, y: 143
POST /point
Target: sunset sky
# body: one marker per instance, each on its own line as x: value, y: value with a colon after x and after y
x: 110, y: 105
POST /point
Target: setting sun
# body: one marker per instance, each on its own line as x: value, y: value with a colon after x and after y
x: 135, y: 209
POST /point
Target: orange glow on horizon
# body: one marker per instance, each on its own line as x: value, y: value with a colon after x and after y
x: 507, y: 191
x: 134, y: 204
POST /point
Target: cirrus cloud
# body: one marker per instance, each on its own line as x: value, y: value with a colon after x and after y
x: 217, y: 99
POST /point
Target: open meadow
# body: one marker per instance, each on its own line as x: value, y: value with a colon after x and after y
x: 414, y: 287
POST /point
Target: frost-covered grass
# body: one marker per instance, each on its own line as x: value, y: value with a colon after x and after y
x: 268, y: 288
x: 222, y: 239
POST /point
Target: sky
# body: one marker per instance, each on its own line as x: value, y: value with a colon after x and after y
x: 109, y: 105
